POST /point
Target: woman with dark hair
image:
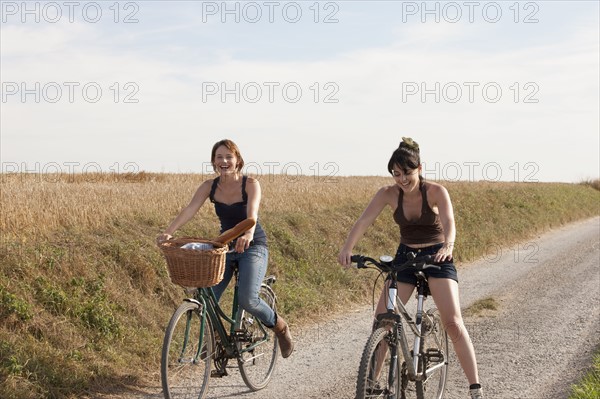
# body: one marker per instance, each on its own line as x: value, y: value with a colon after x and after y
x: 423, y: 211
x: 237, y: 197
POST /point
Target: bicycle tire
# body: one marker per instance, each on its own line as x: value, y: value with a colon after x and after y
x: 379, y: 384
x: 184, y: 372
x: 434, y: 348
x: 257, y: 366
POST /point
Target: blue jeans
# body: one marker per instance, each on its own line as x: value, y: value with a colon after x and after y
x: 252, y: 269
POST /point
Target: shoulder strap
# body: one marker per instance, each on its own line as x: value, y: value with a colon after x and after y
x: 400, y: 197
x: 399, y: 213
x: 244, y: 193
x: 425, y: 206
x: 212, y: 189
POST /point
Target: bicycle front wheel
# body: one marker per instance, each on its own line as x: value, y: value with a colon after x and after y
x: 434, y: 350
x: 378, y: 374
x: 186, y: 354
x: 258, y: 346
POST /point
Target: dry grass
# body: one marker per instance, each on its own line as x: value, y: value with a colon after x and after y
x: 484, y: 306
x: 592, y: 183
x: 84, y: 294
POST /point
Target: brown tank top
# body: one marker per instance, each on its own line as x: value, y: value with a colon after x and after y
x: 426, y: 229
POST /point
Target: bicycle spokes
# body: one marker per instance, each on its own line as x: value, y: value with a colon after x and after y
x: 434, y: 350
x: 184, y: 371
x: 257, y: 346
x: 378, y: 372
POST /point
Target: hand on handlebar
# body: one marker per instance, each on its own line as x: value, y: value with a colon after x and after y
x: 444, y: 254
x: 344, y: 258
x: 242, y: 243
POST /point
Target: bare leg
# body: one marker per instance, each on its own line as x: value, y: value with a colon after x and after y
x: 404, y: 292
x: 445, y: 296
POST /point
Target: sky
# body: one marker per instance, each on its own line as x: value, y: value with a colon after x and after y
x: 494, y: 91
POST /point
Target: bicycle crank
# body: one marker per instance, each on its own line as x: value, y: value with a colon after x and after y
x: 220, y: 360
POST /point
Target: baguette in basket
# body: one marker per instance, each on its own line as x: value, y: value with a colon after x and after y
x: 229, y: 235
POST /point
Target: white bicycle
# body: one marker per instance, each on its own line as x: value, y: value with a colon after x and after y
x: 389, y: 368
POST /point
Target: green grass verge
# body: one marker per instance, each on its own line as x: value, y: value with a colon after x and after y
x: 589, y: 386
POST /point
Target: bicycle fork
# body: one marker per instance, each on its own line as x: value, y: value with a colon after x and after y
x: 391, y: 306
x: 412, y: 367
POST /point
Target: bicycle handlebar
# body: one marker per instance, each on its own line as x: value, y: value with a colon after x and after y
x: 417, y: 262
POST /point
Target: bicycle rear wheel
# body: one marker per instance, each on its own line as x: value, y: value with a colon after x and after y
x: 258, y: 346
x: 378, y: 374
x: 185, y: 362
x: 434, y: 347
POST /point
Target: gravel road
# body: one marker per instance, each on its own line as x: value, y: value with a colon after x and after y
x: 533, y: 346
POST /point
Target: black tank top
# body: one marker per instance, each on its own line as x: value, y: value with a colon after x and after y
x: 426, y: 229
x: 232, y: 214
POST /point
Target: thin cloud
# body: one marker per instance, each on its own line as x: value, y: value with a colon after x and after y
x: 368, y: 82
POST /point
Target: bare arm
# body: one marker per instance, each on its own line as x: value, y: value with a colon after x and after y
x: 188, y: 212
x: 382, y: 198
x: 254, y: 196
x: 441, y: 199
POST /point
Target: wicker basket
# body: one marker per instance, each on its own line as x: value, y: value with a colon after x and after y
x: 192, y: 267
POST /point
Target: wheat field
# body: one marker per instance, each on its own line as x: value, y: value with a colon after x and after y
x: 85, y: 295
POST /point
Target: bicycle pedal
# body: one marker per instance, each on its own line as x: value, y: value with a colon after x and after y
x: 242, y: 336
x: 375, y: 391
x: 434, y: 355
x: 218, y: 373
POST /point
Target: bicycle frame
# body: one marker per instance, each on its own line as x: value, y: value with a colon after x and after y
x: 396, y: 311
x: 207, y: 301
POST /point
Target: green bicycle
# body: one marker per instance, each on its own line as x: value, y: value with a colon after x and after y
x: 200, y: 335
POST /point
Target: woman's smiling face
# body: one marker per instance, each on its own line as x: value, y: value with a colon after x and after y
x: 225, y: 161
x: 407, y: 180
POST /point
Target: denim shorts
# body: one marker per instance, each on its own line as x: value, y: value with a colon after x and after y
x: 408, y: 275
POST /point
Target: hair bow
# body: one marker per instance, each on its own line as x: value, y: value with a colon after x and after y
x: 410, y: 143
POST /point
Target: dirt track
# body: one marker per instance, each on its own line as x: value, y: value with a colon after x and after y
x: 533, y: 346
